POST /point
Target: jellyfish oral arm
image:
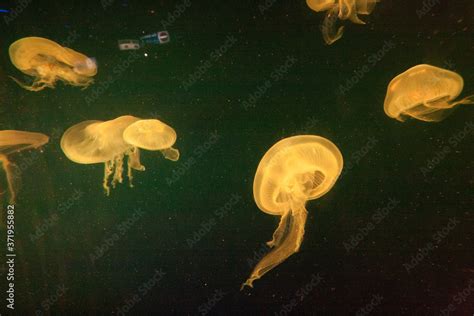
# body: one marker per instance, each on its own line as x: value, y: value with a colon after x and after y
x: 37, y: 85
x: 466, y: 100
x: 280, y: 231
x: 9, y: 169
x: 330, y: 34
x: 287, y: 242
x: 170, y: 153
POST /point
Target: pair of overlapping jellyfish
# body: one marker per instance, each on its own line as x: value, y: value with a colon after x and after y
x: 114, y: 141
x: 340, y: 10
x: 47, y: 62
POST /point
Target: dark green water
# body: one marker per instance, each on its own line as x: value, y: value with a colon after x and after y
x: 54, y: 271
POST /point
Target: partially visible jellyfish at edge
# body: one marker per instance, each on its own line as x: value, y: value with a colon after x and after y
x: 47, y: 62
x: 92, y: 142
x: 340, y: 10
x: 11, y: 142
x: 152, y: 135
x: 293, y: 171
x: 424, y: 92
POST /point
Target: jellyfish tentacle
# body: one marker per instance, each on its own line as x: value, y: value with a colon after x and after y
x: 37, y: 85
x: 133, y: 162
x: 118, y: 161
x: 466, y: 100
x: 12, y: 172
x: 330, y: 35
x: 171, y: 153
x: 290, y: 243
x: 109, y: 165
x: 280, y: 231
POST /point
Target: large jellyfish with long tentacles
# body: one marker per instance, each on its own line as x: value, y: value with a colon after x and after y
x: 12, y: 142
x: 293, y: 171
x: 48, y: 62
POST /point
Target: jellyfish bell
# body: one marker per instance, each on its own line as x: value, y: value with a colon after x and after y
x: 293, y: 171
x: 12, y: 141
x: 365, y: 6
x: 152, y: 135
x: 320, y: 5
x: 424, y: 92
x: 86, y: 67
x: 47, y: 62
x: 92, y: 142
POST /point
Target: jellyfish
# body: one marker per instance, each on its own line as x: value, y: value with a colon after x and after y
x: 340, y: 10
x: 293, y: 171
x: 424, y: 92
x: 92, y: 142
x: 48, y: 62
x: 11, y: 142
x: 152, y: 135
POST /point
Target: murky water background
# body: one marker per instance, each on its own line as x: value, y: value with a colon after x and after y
x: 188, y: 234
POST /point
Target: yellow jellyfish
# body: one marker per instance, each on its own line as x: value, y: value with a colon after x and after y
x: 424, y: 92
x: 152, y: 135
x: 293, y: 171
x: 11, y: 142
x: 91, y: 142
x: 340, y: 10
x: 47, y: 62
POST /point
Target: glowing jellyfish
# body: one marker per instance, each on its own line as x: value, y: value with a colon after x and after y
x: 340, y: 10
x: 424, y: 92
x: 48, y: 62
x: 91, y: 142
x: 293, y: 171
x: 152, y: 135
x: 12, y: 142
